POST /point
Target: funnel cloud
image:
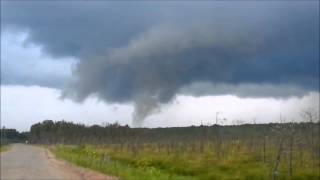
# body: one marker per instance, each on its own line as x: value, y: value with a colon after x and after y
x: 147, y: 54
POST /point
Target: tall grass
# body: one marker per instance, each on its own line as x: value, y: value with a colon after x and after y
x: 4, y: 148
x: 232, y: 160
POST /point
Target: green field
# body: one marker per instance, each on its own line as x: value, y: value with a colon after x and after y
x: 151, y: 161
x: 248, y: 151
x: 4, y: 148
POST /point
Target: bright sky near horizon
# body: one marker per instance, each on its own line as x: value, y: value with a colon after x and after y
x: 158, y: 65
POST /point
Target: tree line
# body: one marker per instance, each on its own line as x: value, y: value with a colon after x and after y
x: 54, y: 132
x: 12, y: 136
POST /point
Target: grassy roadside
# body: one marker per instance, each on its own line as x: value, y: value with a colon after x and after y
x: 151, y: 163
x: 4, y: 148
x: 90, y: 159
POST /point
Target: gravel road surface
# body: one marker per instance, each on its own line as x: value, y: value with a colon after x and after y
x: 27, y: 162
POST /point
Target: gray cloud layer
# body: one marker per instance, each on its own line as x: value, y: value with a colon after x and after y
x: 26, y: 65
x: 148, y: 52
x: 74, y: 28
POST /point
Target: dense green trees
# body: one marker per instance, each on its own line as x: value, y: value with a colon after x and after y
x: 12, y: 136
x: 50, y: 132
x: 278, y: 146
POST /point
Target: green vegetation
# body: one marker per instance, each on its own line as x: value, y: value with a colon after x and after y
x: 249, y: 151
x: 9, y: 136
x: 89, y: 158
x: 4, y: 148
x: 12, y: 136
x: 154, y: 162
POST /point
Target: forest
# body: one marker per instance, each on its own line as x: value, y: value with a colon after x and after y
x: 12, y: 136
x: 247, y: 151
x: 9, y: 136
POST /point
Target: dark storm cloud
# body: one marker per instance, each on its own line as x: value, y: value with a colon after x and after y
x: 77, y: 28
x: 149, y: 52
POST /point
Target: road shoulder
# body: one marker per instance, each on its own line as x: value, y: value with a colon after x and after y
x: 76, y: 171
x: 4, y: 148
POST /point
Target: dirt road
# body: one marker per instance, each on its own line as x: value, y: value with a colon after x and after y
x: 27, y: 162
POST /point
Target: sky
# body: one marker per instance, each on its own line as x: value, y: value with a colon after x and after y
x: 158, y: 64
